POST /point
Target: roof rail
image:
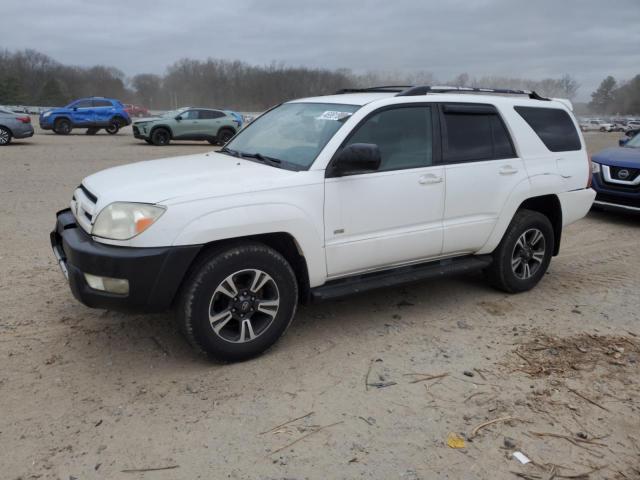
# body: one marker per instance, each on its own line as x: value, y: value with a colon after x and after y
x: 426, y: 89
x: 379, y: 89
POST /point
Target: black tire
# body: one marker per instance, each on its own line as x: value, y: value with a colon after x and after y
x: 92, y: 131
x: 62, y: 126
x: 224, y: 135
x: 160, y: 137
x: 519, y: 242
x: 202, y: 297
x: 602, y: 129
x: 113, y: 127
x: 5, y: 136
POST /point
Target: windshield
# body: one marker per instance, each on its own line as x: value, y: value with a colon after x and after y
x: 172, y: 113
x: 294, y: 133
x: 634, y: 142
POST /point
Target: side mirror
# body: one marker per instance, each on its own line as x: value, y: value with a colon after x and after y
x: 623, y: 141
x: 178, y: 118
x: 75, y: 109
x: 356, y: 158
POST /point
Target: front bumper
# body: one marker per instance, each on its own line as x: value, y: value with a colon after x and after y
x: 615, y: 197
x: 139, y: 132
x: 154, y: 274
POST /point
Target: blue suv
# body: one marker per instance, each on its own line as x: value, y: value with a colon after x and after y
x: 91, y: 113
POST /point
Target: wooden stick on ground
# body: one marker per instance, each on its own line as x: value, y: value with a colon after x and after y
x: 286, y: 423
x: 592, y: 402
x: 151, y: 469
x: 305, y: 436
x: 477, y: 428
x: 430, y: 377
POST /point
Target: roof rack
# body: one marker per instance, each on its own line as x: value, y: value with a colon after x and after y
x: 426, y: 89
x: 379, y: 89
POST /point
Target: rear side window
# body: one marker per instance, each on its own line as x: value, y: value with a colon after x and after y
x: 474, y: 132
x: 553, y: 126
x: 209, y: 114
x: 102, y: 103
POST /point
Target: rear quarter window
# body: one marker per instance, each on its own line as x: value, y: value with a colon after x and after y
x: 553, y: 126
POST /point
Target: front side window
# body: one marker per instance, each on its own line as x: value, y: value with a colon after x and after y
x: 403, y: 135
x: 293, y: 133
x: 82, y: 104
x: 474, y: 133
x: 189, y: 115
x: 553, y: 126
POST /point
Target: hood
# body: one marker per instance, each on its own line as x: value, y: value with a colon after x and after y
x: 619, y: 157
x: 147, y: 119
x: 172, y: 180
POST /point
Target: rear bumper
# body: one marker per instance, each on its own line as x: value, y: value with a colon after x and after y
x: 154, y: 274
x: 575, y: 204
x: 25, y: 131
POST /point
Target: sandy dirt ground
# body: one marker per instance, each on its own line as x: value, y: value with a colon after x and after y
x: 371, y: 386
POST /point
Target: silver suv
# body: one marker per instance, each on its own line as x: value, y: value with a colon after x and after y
x: 14, y: 125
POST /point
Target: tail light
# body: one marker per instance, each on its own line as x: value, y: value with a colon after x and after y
x: 24, y: 119
x: 590, y: 176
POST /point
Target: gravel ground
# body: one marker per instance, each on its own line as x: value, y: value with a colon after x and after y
x: 97, y: 394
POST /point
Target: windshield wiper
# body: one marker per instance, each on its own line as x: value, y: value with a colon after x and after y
x: 233, y: 153
x: 260, y: 157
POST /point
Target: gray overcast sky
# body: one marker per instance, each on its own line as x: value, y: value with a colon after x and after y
x: 588, y: 39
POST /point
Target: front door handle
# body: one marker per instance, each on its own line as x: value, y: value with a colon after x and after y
x: 429, y: 179
x: 508, y: 170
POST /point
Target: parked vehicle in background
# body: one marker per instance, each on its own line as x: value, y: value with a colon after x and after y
x: 596, y: 124
x: 14, y: 125
x: 190, y: 123
x: 628, y: 135
x: 326, y: 196
x: 91, y: 113
x: 136, y: 111
x: 616, y: 176
x: 238, y: 118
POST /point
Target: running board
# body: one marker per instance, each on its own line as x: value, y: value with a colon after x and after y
x: 398, y: 276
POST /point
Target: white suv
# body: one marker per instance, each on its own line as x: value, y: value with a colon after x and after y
x: 326, y: 196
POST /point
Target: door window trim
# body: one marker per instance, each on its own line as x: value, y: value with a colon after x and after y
x: 436, y: 147
x: 478, y: 107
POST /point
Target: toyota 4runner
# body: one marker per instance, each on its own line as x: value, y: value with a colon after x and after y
x: 326, y: 196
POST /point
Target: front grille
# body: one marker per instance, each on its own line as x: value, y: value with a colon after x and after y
x: 135, y: 130
x: 83, y: 206
x: 89, y: 195
x: 631, y: 173
x: 619, y: 200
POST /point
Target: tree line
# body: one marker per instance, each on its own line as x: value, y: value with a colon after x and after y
x: 28, y: 77
x: 618, y: 98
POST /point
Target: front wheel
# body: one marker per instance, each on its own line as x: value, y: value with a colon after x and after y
x: 524, y: 254
x: 160, y: 137
x: 62, y: 126
x: 238, y: 302
x: 224, y: 135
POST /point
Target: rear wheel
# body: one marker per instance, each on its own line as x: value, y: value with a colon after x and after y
x: 524, y: 254
x: 224, y: 135
x: 5, y: 136
x: 238, y: 302
x: 160, y: 137
x: 62, y: 126
x: 113, y: 127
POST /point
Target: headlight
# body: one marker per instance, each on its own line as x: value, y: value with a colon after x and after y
x: 595, y: 167
x: 122, y: 221
x: 46, y: 114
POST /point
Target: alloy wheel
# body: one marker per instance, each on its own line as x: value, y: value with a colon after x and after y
x: 528, y: 254
x: 244, y: 305
x: 4, y: 136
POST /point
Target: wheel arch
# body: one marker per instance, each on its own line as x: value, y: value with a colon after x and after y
x: 6, y: 127
x: 282, y: 242
x: 162, y: 125
x: 226, y: 127
x: 550, y: 207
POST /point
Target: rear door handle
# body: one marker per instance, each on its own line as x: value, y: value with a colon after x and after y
x: 508, y: 170
x: 429, y: 179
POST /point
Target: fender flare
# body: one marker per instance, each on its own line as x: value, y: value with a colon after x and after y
x: 162, y: 125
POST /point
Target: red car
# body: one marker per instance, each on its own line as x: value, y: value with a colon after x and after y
x: 136, y: 110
